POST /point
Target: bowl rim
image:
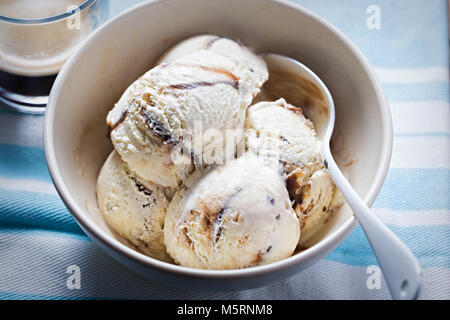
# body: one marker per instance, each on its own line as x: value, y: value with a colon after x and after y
x: 55, y: 18
x: 331, y: 241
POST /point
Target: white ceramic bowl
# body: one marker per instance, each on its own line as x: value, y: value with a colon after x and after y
x: 123, y: 49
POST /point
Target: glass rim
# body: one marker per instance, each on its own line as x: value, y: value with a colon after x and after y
x: 58, y: 17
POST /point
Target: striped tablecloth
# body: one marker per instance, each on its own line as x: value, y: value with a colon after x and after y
x: 409, y: 49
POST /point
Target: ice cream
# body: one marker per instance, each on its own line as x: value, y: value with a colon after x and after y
x: 191, y: 45
x: 280, y: 131
x: 318, y: 202
x: 160, y: 190
x: 133, y: 207
x: 223, y: 46
x: 237, y: 215
x: 155, y: 124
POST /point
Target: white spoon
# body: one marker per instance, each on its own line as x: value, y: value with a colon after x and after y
x: 400, y: 268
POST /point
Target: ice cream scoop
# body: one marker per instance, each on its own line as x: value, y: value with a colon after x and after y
x: 279, y: 130
x: 133, y: 207
x: 219, y: 45
x: 400, y: 268
x: 202, y: 95
x: 237, y: 215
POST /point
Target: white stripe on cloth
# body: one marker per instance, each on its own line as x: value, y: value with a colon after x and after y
x: 421, y: 152
x: 414, y: 218
x: 27, y: 185
x: 422, y: 117
x: 431, y: 74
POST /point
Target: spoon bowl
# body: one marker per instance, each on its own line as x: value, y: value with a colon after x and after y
x: 400, y: 268
x: 300, y: 86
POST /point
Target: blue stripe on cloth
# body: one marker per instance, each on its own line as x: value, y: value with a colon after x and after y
x: 35, y: 210
x: 415, y: 189
x: 413, y: 33
x: 23, y: 162
x: 428, y: 243
x: 412, y: 92
x: 26, y: 296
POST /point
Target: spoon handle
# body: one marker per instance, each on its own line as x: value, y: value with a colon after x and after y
x: 400, y: 267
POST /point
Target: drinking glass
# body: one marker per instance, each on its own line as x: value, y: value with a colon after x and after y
x: 36, y: 38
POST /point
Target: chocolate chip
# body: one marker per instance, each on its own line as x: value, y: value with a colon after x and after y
x: 143, y: 189
x: 219, y: 221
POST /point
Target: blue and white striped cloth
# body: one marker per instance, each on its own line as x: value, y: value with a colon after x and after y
x: 410, y: 52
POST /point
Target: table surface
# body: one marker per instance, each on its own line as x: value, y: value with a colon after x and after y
x: 39, y: 239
